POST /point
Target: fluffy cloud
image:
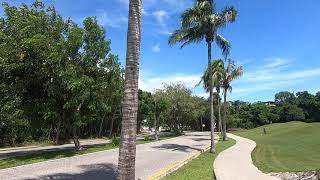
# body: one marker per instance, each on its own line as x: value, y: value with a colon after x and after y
x: 156, y: 48
x: 104, y: 19
x: 161, y: 16
x: 152, y: 83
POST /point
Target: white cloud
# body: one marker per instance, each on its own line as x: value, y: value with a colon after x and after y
x: 156, y: 48
x: 144, y: 12
x: 152, y: 83
x: 274, y: 75
x: 277, y: 62
x: 161, y: 16
x: 165, y: 32
x: 104, y: 19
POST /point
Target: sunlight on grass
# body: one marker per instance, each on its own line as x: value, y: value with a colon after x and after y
x: 202, y: 166
x: 293, y: 146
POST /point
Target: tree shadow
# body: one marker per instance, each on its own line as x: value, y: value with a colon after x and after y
x: 176, y: 147
x: 196, y: 135
x: 201, y: 139
x: 93, y: 172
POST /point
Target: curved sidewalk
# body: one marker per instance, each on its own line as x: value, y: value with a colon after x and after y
x: 235, y: 163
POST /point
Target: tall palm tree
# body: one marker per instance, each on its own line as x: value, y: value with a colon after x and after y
x: 217, y: 67
x: 127, y: 150
x: 228, y: 75
x: 202, y: 22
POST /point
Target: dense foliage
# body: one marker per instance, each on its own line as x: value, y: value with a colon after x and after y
x: 301, y: 106
x: 57, y: 79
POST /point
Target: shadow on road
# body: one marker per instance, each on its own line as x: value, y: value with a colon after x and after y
x: 201, y: 139
x: 176, y: 147
x: 92, y: 172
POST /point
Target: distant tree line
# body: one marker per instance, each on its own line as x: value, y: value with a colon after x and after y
x: 288, y: 106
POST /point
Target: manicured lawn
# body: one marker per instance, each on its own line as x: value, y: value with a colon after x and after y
x: 202, y: 166
x: 293, y: 146
x: 33, y: 158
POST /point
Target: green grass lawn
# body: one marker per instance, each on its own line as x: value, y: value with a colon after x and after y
x: 293, y: 146
x: 202, y: 166
x: 33, y: 158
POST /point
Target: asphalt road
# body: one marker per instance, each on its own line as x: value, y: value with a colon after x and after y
x: 151, y: 159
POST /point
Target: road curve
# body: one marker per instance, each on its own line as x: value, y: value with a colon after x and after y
x: 235, y: 163
x: 151, y: 159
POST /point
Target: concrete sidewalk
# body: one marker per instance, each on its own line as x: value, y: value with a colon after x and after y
x: 235, y: 163
x: 151, y: 159
x: 22, y: 151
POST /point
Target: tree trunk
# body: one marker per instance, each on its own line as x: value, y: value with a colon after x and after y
x: 111, y: 125
x: 201, y: 124
x: 57, y: 139
x: 219, y: 111
x: 75, y: 138
x: 101, y: 127
x: 224, y: 123
x: 212, y: 118
x: 127, y: 150
x: 156, y: 130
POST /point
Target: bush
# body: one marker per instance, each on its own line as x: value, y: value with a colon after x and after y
x: 115, y: 141
x: 146, y: 138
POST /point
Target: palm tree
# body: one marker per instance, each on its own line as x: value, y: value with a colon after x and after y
x: 228, y: 75
x: 217, y: 68
x: 127, y: 150
x: 200, y: 22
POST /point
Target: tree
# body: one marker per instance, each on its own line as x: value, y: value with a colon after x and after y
x: 289, y: 112
x: 127, y: 150
x: 228, y: 75
x: 202, y: 21
x: 217, y: 68
x: 180, y: 107
x: 58, y: 80
x: 284, y: 97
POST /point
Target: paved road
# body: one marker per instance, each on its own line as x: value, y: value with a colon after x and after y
x: 235, y: 163
x: 22, y: 151
x: 151, y: 158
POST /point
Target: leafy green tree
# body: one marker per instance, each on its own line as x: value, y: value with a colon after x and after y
x: 310, y: 105
x: 203, y: 21
x: 217, y: 67
x: 228, y: 75
x: 57, y: 79
x: 284, y: 97
x: 289, y: 112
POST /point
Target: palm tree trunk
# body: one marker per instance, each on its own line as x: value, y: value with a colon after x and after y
x: 224, y: 123
x: 212, y: 118
x: 127, y: 150
x: 219, y: 111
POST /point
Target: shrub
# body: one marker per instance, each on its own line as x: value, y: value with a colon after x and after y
x: 146, y: 138
x: 115, y: 141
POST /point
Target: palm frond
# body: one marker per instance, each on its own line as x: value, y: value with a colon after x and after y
x: 229, y: 13
x: 223, y: 44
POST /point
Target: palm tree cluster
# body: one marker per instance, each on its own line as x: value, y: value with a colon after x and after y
x: 221, y: 80
x: 202, y: 22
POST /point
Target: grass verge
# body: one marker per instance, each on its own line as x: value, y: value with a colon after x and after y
x: 202, y: 166
x: 287, y: 147
x: 34, y: 158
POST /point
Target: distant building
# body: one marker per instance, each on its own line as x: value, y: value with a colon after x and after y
x: 270, y: 103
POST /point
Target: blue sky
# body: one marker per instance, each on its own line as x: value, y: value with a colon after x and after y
x: 277, y: 42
